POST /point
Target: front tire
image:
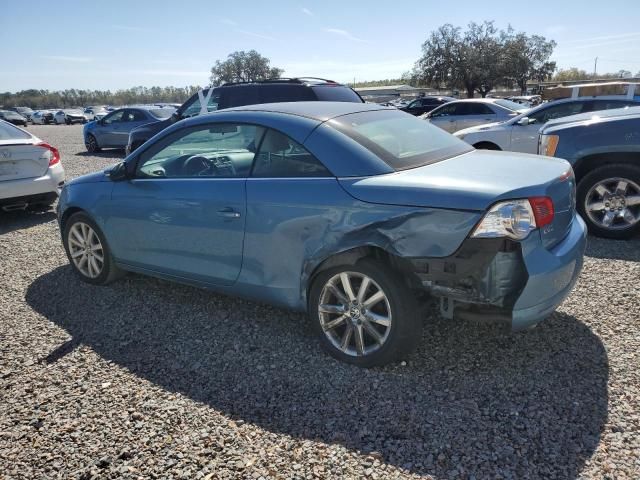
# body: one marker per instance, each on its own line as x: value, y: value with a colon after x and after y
x: 608, y: 199
x: 364, y: 314
x: 92, y: 144
x: 88, y: 251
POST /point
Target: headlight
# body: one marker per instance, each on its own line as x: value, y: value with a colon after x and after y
x: 513, y: 219
x: 548, y: 145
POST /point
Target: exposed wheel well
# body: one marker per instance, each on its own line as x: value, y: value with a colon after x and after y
x: 487, y: 146
x: 353, y: 256
x: 67, y: 213
x: 587, y: 164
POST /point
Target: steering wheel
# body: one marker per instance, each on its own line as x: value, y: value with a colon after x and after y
x: 197, y: 165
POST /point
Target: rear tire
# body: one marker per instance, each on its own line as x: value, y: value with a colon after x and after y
x: 88, y: 251
x: 335, y: 311
x: 608, y: 199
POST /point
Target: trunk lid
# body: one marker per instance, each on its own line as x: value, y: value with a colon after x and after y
x: 22, y: 159
x: 474, y: 181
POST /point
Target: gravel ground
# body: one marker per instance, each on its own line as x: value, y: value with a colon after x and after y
x: 148, y: 379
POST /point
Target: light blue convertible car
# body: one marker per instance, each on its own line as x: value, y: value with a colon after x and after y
x: 354, y: 213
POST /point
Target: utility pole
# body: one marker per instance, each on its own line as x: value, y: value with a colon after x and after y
x: 595, y: 68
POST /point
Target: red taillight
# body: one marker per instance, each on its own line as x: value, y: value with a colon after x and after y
x: 542, y: 210
x: 55, y: 154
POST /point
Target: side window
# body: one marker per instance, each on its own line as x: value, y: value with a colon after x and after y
x: 195, y: 107
x: 215, y: 150
x: 479, y: 109
x: 237, y: 96
x: 446, y: 111
x: 137, y: 116
x: 607, y: 104
x: 285, y: 93
x: 558, y: 111
x: 414, y: 104
x: 280, y: 156
x: 116, y: 117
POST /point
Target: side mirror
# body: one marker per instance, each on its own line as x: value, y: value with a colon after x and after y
x: 175, y: 116
x: 524, y: 121
x: 118, y: 172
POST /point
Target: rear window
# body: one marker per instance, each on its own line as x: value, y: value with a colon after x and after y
x: 9, y: 132
x: 400, y: 140
x: 162, y: 112
x: 338, y: 93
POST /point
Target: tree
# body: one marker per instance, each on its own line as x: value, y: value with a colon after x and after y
x: 480, y: 58
x: 243, y: 67
x: 526, y: 58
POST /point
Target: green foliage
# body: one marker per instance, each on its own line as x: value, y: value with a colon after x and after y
x: 243, y: 67
x: 574, y: 74
x: 38, y: 99
x: 480, y: 58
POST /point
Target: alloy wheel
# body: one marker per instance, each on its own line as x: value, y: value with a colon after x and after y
x: 85, y: 250
x: 614, y: 203
x: 354, y: 313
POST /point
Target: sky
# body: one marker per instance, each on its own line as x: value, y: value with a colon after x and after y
x: 116, y: 44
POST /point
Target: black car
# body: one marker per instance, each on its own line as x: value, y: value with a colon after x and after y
x: 424, y: 104
x: 248, y: 93
x: 13, y: 117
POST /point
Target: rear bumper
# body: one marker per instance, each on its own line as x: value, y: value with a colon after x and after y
x: 518, y: 282
x: 552, y: 275
x: 50, y: 182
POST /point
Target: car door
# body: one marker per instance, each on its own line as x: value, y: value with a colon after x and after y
x: 183, y: 214
x: 472, y: 114
x: 131, y: 119
x: 106, y: 131
x: 446, y: 116
x: 524, y: 138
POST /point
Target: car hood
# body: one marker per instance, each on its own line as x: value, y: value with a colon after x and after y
x: 481, y: 128
x: 91, y: 178
x: 472, y: 181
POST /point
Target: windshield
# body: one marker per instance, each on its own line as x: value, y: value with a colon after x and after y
x: 162, y: 112
x: 400, y: 140
x: 337, y: 93
x: 516, y: 107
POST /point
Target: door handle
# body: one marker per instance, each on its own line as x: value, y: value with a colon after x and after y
x: 228, y: 213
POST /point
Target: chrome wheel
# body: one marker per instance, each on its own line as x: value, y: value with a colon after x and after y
x: 85, y: 250
x: 354, y: 313
x: 92, y: 144
x: 613, y: 203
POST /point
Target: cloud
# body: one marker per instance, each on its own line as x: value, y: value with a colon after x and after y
x: 555, y: 29
x: 344, y: 33
x: 306, y: 11
x: 228, y: 21
x: 254, y: 34
x: 66, y: 58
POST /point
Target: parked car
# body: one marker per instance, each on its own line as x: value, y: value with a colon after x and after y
x: 26, y: 112
x: 520, y: 133
x: 423, y: 105
x: 460, y: 114
x: 95, y: 113
x: 348, y: 211
x: 528, y: 101
x: 69, y: 117
x: 13, y: 117
x: 248, y: 93
x: 42, y: 117
x: 604, y: 150
x: 112, y: 131
x: 30, y: 170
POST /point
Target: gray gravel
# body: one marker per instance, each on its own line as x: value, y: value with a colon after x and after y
x: 148, y: 379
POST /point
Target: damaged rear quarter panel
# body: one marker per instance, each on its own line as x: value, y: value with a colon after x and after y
x: 293, y: 225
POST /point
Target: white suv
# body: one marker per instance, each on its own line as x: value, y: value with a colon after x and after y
x: 520, y: 133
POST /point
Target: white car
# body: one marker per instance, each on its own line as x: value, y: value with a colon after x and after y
x: 520, y: 133
x: 42, y: 117
x: 30, y: 170
x: 459, y: 114
x: 69, y: 117
x: 95, y: 113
